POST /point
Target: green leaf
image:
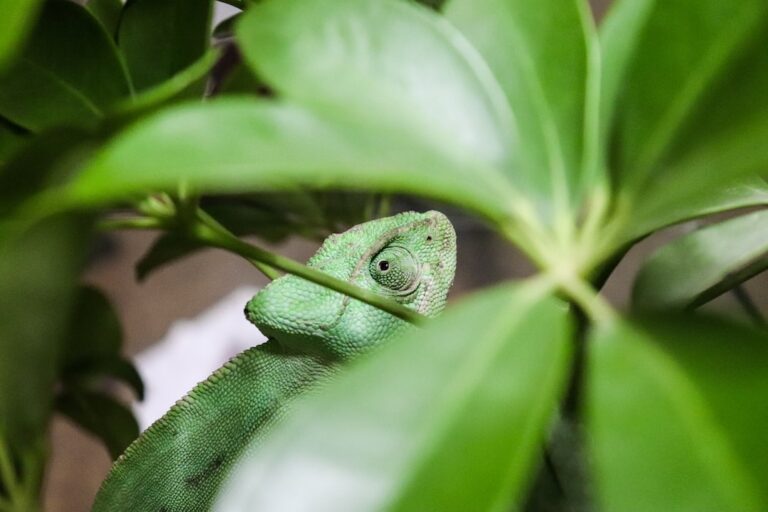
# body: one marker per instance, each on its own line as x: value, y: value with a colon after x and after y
x: 162, y: 37
x: 541, y: 56
x: 94, y: 342
x: 188, y: 83
x: 244, y: 144
x: 699, y: 266
x: 721, y: 142
x: 11, y: 138
x: 344, y: 59
x: 450, y: 417
x: 18, y: 16
x: 37, y: 277
x: 687, y: 56
x: 746, y: 193
x: 107, y: 12
x: 54, y: 81
x: 166, y: 249
x: 40, y: 162
x: 676, y: 414
x: 102, y: 416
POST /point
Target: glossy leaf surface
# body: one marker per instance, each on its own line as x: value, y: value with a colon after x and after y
x: 245, y: 144
x: 540, y: 57
x: 700, y: 265
x: 675, y: 416
x: 386, y: 65
x: 448, y: 418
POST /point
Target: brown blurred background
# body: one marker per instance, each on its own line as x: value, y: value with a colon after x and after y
x: 187, y: 288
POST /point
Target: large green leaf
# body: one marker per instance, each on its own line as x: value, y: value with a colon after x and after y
x: 540, y: 55
x: 17, y: 17
x: 241, y: 144
x: 723, y: 140
x: 55, y: 81
x: 448, y: 418
x: 648, y: 217
x: 385, y: 66
x: 676, y: 416
x: 37, y: 277
x: 681, y: 52
x: 701, y: 265
x: 162, y: 37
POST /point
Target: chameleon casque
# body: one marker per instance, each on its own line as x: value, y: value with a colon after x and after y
x: 179, y: 463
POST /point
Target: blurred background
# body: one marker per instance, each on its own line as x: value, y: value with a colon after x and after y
x: 185, y: 291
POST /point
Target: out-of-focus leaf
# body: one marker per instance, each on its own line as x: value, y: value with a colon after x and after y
x: 18, y: 16
x: 160, y: 38
x: 39, y: 162
x: 346, y: 60
x: 243, y: 144
x: 750, y: 192
x: 102, y: 416
x: 676, y: 414
x: 540, y: 55
x: 699, y: 266
x: 55, y: 81
x: 189, y: 83
x: 93, y: 345
x: 682, y: 51
x: 448, y: 418
x: 11, y: 138
x: 107, y: 12
x: 723, y: 140
x: 37, y: 277
x: 165, y: 249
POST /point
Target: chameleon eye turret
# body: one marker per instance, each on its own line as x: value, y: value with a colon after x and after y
x: 180, y: 462
x: 396, y: 269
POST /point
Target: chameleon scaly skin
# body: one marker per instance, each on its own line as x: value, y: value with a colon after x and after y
x: 179, y: 463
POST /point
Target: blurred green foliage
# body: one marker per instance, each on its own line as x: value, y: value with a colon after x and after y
x: 299, y: 117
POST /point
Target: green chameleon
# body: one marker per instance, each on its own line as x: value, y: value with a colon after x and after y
x: 179, y: 463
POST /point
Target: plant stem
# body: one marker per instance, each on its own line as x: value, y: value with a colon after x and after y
x: 209, y: 232
x: 212, y: 223
x: 130, y: 223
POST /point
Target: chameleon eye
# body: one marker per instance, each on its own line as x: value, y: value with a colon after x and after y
x: 395, y: 268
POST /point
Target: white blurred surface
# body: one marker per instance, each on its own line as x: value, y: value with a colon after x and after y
x: 191, y: 351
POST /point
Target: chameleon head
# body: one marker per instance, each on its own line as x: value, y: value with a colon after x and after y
x: 409, y: 257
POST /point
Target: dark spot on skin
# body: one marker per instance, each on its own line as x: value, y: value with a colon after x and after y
x: 164, y: 509
x: 383, y: 265
x: 429, y: 238
x: 197, y: 479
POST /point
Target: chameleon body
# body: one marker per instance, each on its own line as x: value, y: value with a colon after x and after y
x: 179, y: 463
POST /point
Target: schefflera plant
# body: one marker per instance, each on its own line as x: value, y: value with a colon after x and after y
x: 573, y: 142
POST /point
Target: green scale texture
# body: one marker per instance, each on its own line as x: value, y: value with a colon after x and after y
x: 179, y: 463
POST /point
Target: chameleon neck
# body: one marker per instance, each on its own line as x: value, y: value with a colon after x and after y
x: 213, y: 424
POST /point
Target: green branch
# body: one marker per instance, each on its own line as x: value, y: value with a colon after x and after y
x: 206, y: 230
x: 209, y: 232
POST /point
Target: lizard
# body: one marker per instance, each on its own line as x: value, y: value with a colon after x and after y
x: 179, y: 463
